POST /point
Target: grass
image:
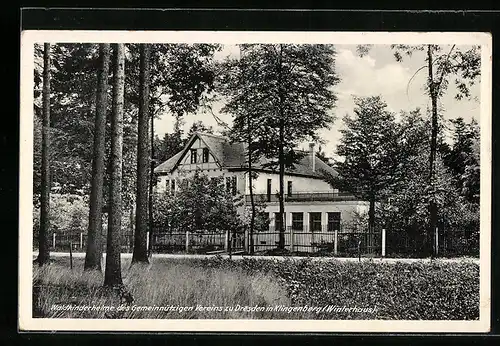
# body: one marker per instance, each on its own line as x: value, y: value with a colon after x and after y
x: 420, y: 290
x: 176, y: 283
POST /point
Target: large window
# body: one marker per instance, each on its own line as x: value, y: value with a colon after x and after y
x: 298, y: 221
x: 315, y: 222
x: 205, y: 155
x: 193, y: 156
x: 333, y: 221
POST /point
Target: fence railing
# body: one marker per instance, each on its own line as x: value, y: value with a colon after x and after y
x: 304, y: 197
x: 390, y: 243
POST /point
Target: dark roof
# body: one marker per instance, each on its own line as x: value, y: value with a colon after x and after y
x: 232, y: 156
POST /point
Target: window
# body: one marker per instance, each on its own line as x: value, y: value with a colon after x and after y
x: 167, y: 185
x: 315, y: 222
x: 193, y: 155
x: 173, y: 186
x: 298, y: 221
x: 289, y: 189
x: 205, y: 155
x: 269, y: 190
x: 234, y: 187
x: 228, y: 184
x: 277, y: 221
x: 333, y: 221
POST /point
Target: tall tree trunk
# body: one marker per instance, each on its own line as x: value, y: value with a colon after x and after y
x: 151, y: 184
x: 112, y: 275
x: 250, y: 184
x: 281, y: 156
x: 432, y: 156
x: 140, y: 253
x: 43, y: 234
x: 94, y: 249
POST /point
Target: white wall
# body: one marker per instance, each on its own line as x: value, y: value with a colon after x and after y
x: 299, y: 184
x: 348, y: 210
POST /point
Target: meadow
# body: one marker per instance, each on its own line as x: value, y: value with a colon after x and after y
x: 220, y: 288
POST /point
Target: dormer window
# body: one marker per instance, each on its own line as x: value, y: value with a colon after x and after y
x: 205, y: 155
x: 193, y: 156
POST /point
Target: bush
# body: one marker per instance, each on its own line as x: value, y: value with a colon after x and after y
x: 404, y: 291
x: 67, y: 213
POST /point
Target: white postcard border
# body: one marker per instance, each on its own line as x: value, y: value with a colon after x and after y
x: 27, y: 323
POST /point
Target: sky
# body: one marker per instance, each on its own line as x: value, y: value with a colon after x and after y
x: 377, y: 73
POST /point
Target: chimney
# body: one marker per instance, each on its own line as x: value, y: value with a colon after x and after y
x: 312, y: 156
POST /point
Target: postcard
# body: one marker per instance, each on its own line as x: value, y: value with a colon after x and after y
x: 207, y: 181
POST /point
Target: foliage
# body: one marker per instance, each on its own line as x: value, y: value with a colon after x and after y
x: 405, y: 206
x: 399, y: 291
x: 273, y: 84
x: 377, y: 151
x: 201, y: 204
x: 180, y: 76
x: 69, y: 214
x: 462, y: 158
x: 419, y: 290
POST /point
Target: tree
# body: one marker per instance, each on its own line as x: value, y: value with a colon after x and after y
x: 140, y: 253
x: 94, y: 246
x: 290, y: 86
x: 198, y: 126
x: 170, y: 144
x: 112, y: 276
x: 441, y: 65
x: 462, y: 158
x: 376, y: 153
x: 43, y: 234
x: 201, y: 204
x: 236, y: 85
x: 180, y: 74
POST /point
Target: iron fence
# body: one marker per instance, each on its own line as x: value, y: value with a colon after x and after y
x: 340, y: 242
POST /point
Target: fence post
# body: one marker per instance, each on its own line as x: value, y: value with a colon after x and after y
x: 436, y: 242
x: 226, y: 241
x: 54, y: 240
x: 292, y: 242
x: 147, y: 240
x: 81, y: 240
x: 383, y: 242
x: 187, y: 241
x: 336, y: 242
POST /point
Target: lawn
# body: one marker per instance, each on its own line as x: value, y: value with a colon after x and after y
x: 263, y: 289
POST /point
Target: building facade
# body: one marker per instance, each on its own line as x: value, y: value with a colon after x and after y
x: 311, y: 203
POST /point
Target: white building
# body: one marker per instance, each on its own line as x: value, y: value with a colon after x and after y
x: 311, y: 204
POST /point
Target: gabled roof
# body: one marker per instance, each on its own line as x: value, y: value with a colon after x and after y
x: 233, y: 156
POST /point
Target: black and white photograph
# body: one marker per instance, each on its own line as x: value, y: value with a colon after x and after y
x: 253, y: 181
